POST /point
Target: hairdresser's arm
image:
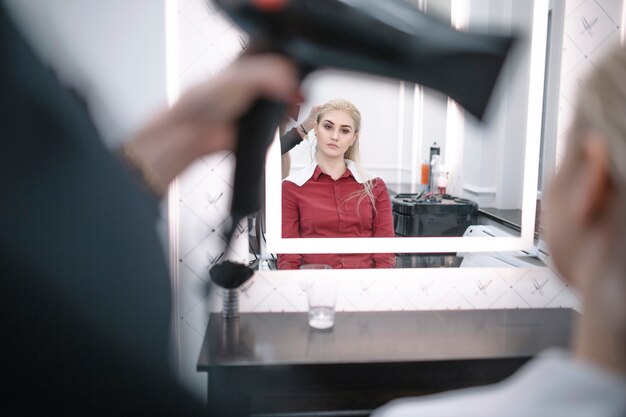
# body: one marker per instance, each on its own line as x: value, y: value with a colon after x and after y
x: 204, y: 119
x: 300, y: 132
x: 383, y: 224
x: 289, y: 140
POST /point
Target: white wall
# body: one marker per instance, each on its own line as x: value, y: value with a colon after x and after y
x: 492, y: 164
x: 112, y: 52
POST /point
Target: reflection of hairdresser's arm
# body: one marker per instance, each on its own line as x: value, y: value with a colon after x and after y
x: 291, y: 225
x: 290, y: 139
x: 299, y: 133
x: 383, y: 224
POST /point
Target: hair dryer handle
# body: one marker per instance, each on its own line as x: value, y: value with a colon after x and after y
x: 255, y: 132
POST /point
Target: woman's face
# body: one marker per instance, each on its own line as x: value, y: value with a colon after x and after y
x: 335, y: 133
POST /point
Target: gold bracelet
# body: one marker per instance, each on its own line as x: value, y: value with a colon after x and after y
x: 150, y: 177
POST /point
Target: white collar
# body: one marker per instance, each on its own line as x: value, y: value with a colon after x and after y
x: 302, y: 176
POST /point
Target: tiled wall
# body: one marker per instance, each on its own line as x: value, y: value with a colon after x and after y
x: 591, y: 28
x: 411, y: 289
x: 207, y: 42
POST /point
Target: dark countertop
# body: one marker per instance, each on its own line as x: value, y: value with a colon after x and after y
x: 273, y: 364
x: 511, y: 218
x: 365, y: 337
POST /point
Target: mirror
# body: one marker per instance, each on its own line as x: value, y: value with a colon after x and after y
x: 493, y: 163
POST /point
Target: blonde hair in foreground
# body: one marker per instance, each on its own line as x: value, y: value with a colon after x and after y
x: 602, y: 107
x: 601, y: 110
x: 352, y: 153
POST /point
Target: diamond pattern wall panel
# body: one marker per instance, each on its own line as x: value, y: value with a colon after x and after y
x: 410, y: 289
x: 591, y: 28
x: 207, y: 43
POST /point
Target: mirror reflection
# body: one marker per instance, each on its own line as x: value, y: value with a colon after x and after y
x: 403, y: 161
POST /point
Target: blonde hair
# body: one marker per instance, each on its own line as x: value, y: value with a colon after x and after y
x: 352, y: 153
x: 602, y: 107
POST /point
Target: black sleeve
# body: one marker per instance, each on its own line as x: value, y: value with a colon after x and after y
x: 86, y: 292
x: 289, y: 140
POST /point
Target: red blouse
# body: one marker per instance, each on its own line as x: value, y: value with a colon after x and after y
x: 323, y: 207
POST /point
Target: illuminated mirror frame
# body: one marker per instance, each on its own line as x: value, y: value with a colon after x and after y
x: 273, y: 211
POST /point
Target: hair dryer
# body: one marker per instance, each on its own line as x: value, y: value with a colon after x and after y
x: 389, y: 38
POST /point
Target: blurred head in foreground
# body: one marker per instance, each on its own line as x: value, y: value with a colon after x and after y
x: 586, y: 214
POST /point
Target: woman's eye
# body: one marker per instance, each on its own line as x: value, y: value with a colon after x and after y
x: 327, y: 127
x: 345, y: 131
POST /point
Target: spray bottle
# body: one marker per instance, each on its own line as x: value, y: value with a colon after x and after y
x: 434, y: 154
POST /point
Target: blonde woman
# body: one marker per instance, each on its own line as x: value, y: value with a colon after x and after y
x: 334, y: 196
x: 586, y: 224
